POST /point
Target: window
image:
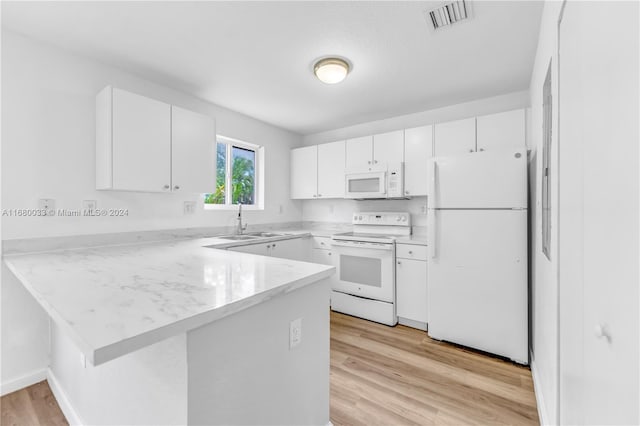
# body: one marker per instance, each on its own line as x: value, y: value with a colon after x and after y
x: 546, y: 160
x: 236, y: 174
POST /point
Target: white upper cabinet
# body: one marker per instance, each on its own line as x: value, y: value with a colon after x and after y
x: 388, y: 148
x: 331, y: 164
x: 501, y: 131
x: 146, y: 145
x: 193, y: 149
x: 418, y: 148
x: 304, y: 172
x: 359, y: 154
x: 455, y: 137
x: 133, y: 142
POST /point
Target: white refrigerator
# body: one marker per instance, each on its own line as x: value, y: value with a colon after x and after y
x: 477, y: 239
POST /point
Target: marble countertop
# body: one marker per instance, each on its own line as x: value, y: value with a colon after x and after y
x: 116, y: 299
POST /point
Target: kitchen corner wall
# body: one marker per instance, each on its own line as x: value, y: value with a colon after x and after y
x: 341, y: 210
x: 48, y: 147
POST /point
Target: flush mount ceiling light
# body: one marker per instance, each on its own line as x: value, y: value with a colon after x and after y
x: 331, y: 70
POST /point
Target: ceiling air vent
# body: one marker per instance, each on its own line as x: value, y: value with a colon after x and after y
x: 448, y: 14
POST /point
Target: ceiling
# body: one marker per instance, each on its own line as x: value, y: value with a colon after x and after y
x: 257, y: 57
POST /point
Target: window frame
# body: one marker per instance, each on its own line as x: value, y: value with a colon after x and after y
x: 258, y: 195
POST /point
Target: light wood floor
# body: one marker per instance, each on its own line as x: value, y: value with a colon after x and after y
x: 32, y: 406
x: 398, y: 376
x: 379, y: 376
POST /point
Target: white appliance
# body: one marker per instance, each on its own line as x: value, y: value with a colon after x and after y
x: 376, y: 184
x: 477, y: 239
x: 365, y: 280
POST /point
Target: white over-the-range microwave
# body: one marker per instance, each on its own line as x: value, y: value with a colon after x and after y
x: 376, y: 184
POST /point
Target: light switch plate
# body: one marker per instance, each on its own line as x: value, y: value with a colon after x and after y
x: 295, y: 333
x: 91, y: 205
x: 189, y: 207
x: 48, y: 205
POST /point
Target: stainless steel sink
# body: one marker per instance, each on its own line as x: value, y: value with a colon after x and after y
x: 264, y: 234
x: 238, y: 237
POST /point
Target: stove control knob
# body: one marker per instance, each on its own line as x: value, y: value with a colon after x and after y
x: 404, y: 218
x: 398, y: 219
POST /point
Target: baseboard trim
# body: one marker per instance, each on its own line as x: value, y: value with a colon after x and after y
x: 23, y: 381
x: 542, y: 409
x: 65, y: 405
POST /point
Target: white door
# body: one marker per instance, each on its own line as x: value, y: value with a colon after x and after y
x: 141, y: 143
x: 505, y: 130
x: 388, y: 148
x: 359, y: 154
x: 481, y: 180
x: 477, y: 278
x: 418, y: 149
x: 331, y: 163
x: 294, y: 249
x: 323, y: 257
x: 455, y: 137
x: 598, y: 213
x: 304, y: 172
x: 411, y: 289
x: 193, y: 152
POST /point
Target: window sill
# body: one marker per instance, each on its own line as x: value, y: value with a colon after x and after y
x: 233, y: 207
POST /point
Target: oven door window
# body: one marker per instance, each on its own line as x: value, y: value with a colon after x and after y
x: 364, y: 185
x: 361, y: 270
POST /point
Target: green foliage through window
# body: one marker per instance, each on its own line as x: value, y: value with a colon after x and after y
x: 239, y: 175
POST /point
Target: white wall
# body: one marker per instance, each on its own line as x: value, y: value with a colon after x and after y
x: 25, y: 336
x: 48, y: 144
x: 341, y: 210
x: 145, y: 387
x: 544, y: 285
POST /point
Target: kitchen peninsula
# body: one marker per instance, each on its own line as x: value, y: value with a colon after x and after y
x: 185, y: 333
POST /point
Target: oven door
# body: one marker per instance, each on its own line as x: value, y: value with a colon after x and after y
x: 366, y: 185
x: 365, y: 269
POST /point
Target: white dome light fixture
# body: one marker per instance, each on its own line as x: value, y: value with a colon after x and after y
x: 331, y: 70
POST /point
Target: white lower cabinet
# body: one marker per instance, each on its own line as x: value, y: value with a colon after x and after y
x: 322, y: 256
x: 411, y: 287
x: 294, y: 249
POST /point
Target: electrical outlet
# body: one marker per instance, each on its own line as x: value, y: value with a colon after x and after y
x: 83, y: 360
x: 280, y: 210
x: 48, y: 205
x: 189, y: 207
x: 295, y: 333
x: 91, y: 205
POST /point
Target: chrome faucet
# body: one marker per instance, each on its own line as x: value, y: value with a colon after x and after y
x: 240, y: 228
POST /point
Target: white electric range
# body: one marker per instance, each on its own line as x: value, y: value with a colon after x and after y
x: 365, y: 280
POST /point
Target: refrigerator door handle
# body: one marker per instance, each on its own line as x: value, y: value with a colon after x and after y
x: 432, y: 187
x: 431, y: 218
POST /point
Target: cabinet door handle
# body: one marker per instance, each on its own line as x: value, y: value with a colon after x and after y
x: 406, y: 192
x: 410, y: 252
x: 399, y: 263
x: 319, y: 195
x: 375, y: 161
x: 167, y: 186
x: 329, y: 253
x: 176, y: 187
x: 269, y: 246
x: 481, y: 149
x: 369, y: 162
x: 314, y: 195
x: 471, y: 150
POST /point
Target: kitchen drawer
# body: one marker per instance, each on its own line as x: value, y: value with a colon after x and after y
x: 411, y: 251
x: 322, y: 243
